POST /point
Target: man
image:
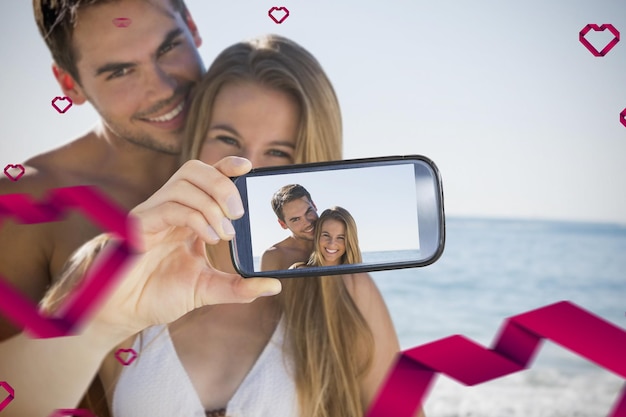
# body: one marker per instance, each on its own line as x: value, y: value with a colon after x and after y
x: 297, y: 212
x: 139, y: 80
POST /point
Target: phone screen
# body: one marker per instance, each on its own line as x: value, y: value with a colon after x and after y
x: 396, y: 204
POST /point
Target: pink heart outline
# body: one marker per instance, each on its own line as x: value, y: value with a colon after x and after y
x: 131, y: 357
x: 622, y: 117
x: 122, y: 22
x: 98, y: 280
x: 80, y: 412
x: 10, y: 397
x: 11, y: 177
x: 597, y: 28
x: 57, y: 98
x: 269, y: 13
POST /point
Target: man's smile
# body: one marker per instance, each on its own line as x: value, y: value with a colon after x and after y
x: 169, y: 115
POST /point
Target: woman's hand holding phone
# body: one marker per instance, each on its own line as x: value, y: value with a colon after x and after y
x: 172, y: 275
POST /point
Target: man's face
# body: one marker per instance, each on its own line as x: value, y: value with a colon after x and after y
x: 300, y: 217
x: 138, y: 77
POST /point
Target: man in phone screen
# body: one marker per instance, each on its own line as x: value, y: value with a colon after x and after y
x: 297, y: 212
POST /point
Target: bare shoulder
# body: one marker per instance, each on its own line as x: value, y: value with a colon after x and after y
x: 26, y: 247
x: 271, y: 259
x: 34, y: 180
x: 30, y: 254
x: 59, y: 167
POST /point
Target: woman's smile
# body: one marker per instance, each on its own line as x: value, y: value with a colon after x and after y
x: 333, y: 241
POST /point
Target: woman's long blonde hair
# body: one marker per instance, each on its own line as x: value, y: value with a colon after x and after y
x: 353, y: 251
x: 278, y: 63
x: 327, y: 336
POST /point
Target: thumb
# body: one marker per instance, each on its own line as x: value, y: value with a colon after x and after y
x: 217, y: 287
x: 233, y: 166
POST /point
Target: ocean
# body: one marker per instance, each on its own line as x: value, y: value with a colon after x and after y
x: 494, y: 269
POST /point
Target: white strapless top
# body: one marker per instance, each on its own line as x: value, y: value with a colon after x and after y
x: 156, y: 384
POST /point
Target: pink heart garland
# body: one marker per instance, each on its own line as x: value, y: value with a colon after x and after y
x: 82, y: 301
x: 75, y: 412
x: 466, y: 361
x: 11, y: 394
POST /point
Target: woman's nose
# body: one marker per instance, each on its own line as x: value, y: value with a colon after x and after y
x: 253, y: 157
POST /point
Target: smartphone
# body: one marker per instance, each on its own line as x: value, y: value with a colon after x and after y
x: 339, y: 217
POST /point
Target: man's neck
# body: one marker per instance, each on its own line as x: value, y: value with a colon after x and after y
x: 303, y: 244
x: 140, y: 167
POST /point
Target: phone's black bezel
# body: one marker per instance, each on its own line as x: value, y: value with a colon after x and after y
x: 242, y: 241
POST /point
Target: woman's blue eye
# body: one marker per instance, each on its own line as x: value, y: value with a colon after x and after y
x: 278, y: 154
x: 228, y: 140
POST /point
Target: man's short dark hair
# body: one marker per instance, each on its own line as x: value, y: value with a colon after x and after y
x: 286, y: 194
x: 56, y: 20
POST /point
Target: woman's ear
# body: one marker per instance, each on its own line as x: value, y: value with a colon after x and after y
x: 68, y: 85
x: 193, y: 28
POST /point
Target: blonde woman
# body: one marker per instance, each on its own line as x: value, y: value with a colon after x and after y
x: 336, y: 240
x: 321, y: 348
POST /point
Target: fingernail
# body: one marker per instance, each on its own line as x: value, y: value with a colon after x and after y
x: 268, y: 294
x: 239, y: 161
x: 234, y: 206
x: 212, y: 233
x: 228, y: 227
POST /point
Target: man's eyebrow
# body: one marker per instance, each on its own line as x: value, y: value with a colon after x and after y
x: 116, y: 66
x: 171, y: 35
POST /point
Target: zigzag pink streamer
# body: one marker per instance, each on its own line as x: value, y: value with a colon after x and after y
x: 100, y: 277
x: 563, y: 323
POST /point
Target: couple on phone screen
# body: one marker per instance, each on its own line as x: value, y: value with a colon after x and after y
x: 328, y: 240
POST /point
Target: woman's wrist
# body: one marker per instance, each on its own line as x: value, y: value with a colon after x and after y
x: 104, y: 337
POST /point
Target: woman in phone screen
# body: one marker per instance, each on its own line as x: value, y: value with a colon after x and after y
x: 336, y: 240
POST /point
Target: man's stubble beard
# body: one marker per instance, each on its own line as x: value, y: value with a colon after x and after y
x: 145, y: 140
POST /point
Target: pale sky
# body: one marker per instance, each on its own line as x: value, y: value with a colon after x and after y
x: 521, y: 119
x: 385, y: 212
